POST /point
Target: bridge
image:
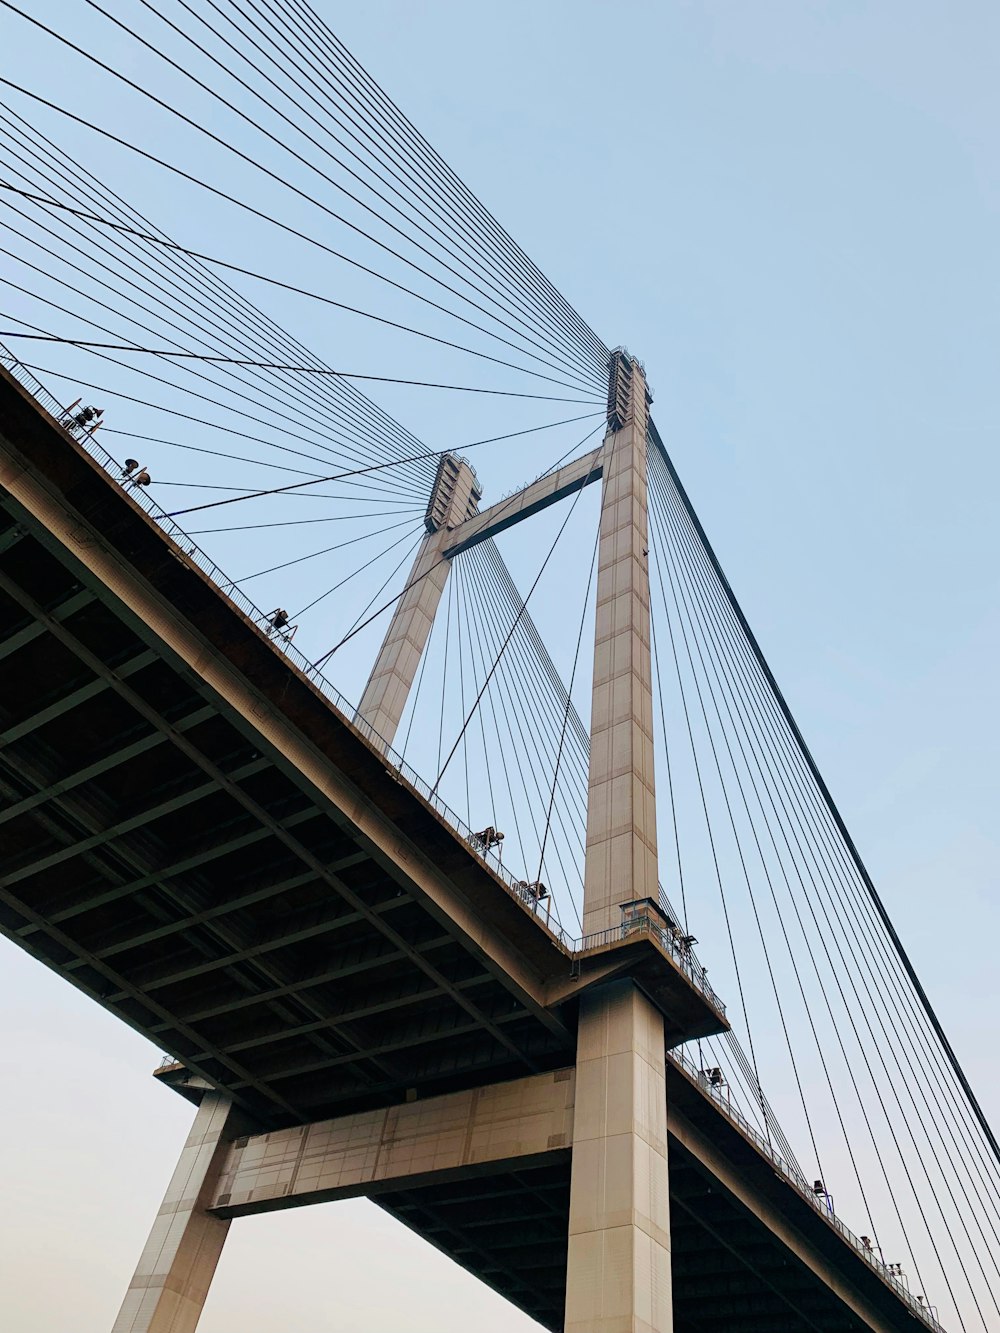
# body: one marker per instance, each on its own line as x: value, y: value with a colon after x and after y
x: 359, y: 999
x: 358, y: 994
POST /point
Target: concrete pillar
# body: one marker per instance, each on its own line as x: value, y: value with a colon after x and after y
x: 173, y: 1275
x: 454, y: 498
x: 621, y: 809
x: 618, y: 1277
x: 396, y: 666
x: 512, y: 1126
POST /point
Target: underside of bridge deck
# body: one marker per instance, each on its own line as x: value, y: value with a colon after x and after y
x: 195, y: 837
x: 748, y: 1252
x: 164, y: 863
x: 730, y: 1273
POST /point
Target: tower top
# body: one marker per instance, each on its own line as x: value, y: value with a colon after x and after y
x: 455, y: 494
x: 625, y: 373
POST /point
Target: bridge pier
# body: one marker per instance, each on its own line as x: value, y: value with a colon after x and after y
x: 178, y: 1262
x: 618, y: 1277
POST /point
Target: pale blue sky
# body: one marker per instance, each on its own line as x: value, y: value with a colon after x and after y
x: 789, y: 211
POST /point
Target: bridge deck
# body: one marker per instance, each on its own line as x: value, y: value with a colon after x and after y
x: 269, y: 909
x: 194, y: 836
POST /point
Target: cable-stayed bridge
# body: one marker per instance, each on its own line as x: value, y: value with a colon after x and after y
x: 496, y: 1023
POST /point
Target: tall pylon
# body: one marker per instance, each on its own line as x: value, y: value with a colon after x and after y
x: 618, y: 1277
x: 621, y: 863
x: 618, y: 1274
x: 454, y: 498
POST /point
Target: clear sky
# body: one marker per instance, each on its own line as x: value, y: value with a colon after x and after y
x: 789, y: 209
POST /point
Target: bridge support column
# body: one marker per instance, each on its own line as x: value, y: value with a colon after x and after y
x: 621, y: 862
x: 618, y: 1277
x: 172, y: 1278
x: 395, y: 667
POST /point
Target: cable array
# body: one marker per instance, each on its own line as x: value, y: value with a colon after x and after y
x: 165, y: 287
x: 521, y: 755
x: 820, y: 990
x: 823, y: 987
x: 308, y: 150
x: 538, y: 329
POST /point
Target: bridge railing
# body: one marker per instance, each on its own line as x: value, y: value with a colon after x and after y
x: 643, y: 923
x: 795, y: 1178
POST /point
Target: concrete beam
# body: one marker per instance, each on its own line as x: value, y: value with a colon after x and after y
x: 532, y: 499
x: 481, y: 1131
x: 363, y: 958
x: 100, y: 837
x: 174, y: 868
x: 30, y: 632
x: 405, y: 1037
x: 394, y: 999
x: 126, y: 938
x: 11, y: 536
x: 238, y: 949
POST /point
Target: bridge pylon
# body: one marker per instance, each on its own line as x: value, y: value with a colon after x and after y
x: 618, y: 1277
x: 611, y: 1111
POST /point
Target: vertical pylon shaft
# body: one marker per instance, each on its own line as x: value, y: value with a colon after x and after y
x: 621, y: 863
x: 454, y: 498
x: 618, y: 1272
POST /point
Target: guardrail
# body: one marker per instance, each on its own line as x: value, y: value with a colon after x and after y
x: 796, y: 1179
x: 670, y: 941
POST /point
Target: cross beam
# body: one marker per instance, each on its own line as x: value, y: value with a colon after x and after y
x: 457, y: 1136
x: 528, y: 501
x: 454, y: 525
